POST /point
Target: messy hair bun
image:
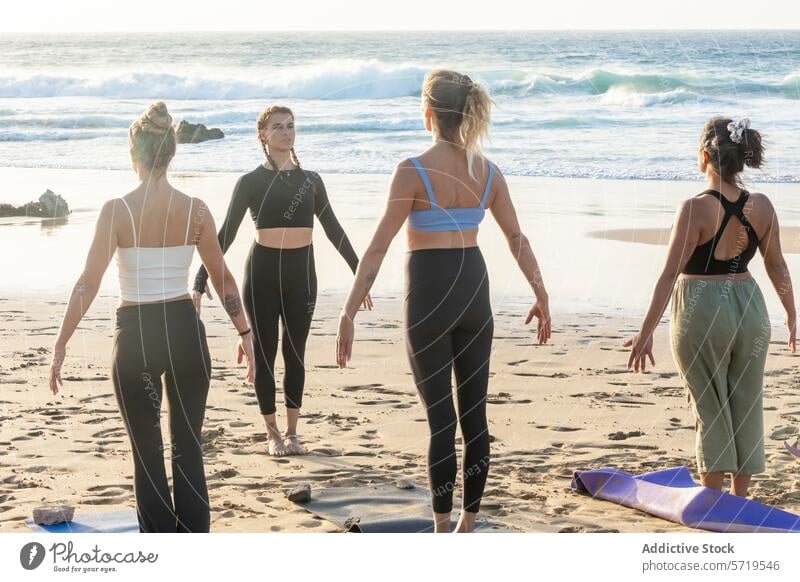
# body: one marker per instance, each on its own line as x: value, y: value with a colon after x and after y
x: 152, y: 138
x: 727, y: 156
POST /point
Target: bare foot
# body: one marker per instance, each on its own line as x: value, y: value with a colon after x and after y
x: 466, y: 522
x: 293, y: 444
x: 276, y: 446
x: 441, y: 522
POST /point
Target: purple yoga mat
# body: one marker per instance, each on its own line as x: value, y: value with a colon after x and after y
x: 672, y: 494
x: 793, y: 448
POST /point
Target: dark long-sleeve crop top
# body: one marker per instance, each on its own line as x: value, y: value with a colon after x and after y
x: 281, y: 199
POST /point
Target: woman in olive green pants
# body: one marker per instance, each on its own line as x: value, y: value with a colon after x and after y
x: 720, y: 328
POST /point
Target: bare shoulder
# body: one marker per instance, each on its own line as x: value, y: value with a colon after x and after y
x: 200, y: 211
x: 498, y: 186
x: 702, y: 202
x: 405, y: 173
x: 697, y: 210
x: 498, y: 178
x: 760, y: 200
x: 405, y: 164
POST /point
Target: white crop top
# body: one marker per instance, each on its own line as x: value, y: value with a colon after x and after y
x: 154, y: 273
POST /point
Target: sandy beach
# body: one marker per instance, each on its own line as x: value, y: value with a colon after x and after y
x: 553, y: 409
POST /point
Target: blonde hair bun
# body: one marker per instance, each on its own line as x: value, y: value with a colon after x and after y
x: 156, y: 119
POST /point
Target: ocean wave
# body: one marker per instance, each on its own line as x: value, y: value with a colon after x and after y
x: 55, y: 135
x: 333, y: 80
x: 631, y: 98
x: 372, y: 79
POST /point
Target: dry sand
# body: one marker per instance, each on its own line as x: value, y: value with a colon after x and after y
x: 553, y: 409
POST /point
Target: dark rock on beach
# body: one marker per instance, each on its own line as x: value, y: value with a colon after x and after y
x: 300, y: 494
x: 196, y: 133
x: 50, y: 205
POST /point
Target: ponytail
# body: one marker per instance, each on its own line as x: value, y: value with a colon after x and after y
x: 461, y: 107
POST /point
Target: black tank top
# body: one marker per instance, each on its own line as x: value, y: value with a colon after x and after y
x: 702, y: 261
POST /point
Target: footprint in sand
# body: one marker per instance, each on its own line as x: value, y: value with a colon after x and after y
x: 239, y: 424
x: 224, y: 474
x: 621, y: 436
x: 326, y: 452
x: 783, y: 433
x: 86, y: 379
x: 106, y: 490
x: 535, y: 375
x: 516, y: 362
x: 109, y: 432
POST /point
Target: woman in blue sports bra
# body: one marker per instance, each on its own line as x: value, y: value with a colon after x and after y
x: 444, y: 193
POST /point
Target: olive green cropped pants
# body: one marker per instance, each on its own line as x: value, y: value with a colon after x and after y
x: 720, y: 333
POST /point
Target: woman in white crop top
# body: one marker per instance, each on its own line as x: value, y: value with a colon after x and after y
x: 153, y: 231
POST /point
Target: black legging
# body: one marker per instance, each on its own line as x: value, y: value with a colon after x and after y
x: 449, y: 325
x: 150, y: 340
x: 280, y: 283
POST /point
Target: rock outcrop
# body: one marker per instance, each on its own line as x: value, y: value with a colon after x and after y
x: 50, y: 205
x: 196, y: 132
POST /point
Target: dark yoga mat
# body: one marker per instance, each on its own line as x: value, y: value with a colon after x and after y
x: 381, y: 509
x: 122, y: 521
x: 672, y: 494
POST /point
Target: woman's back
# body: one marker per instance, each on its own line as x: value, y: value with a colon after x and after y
x: 731, y: 225
x: 157, y: 223
x: 154, y: 246
x: 448, y: 202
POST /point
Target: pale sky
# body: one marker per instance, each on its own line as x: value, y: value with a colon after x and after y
x: 228, y: 15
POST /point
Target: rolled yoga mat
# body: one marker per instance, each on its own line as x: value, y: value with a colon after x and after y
x: 672, y: 495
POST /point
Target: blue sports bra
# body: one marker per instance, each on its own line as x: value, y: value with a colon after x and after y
x: 439, y: 218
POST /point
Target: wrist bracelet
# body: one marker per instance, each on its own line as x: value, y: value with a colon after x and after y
x: 241, y: 333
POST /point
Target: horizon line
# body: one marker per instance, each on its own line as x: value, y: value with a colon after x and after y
x: 402, y: 31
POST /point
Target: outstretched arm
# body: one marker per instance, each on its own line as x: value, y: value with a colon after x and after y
x: 682, y: 242
x: 330, y: 224
x: 506, y: 216
x: 778, y: 272
x: 103, y: 247
x: 398, y: 205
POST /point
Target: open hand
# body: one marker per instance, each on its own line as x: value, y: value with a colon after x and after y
x: 197, y: 298
x: 367, y: 303
x: 59, y: 352
x: 641, y: 349
x: 246, y: 351
x: 541, y: 311
x: 344, y: 340
x: 791, y: 323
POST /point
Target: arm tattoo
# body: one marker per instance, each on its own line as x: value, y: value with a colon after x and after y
x: 371, y: 278
x: 515, y: 235
x: 80, y: 286
x: 233, y: 305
